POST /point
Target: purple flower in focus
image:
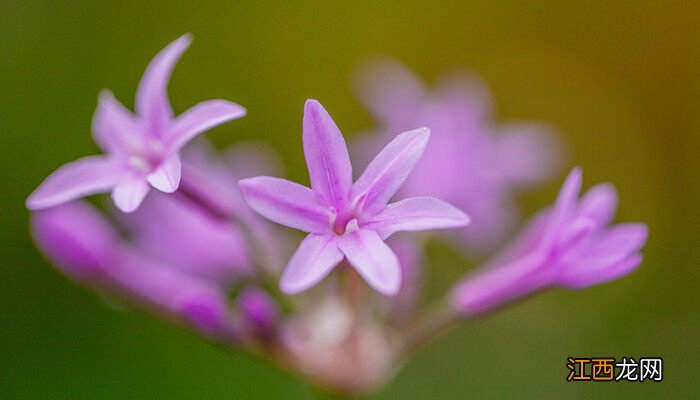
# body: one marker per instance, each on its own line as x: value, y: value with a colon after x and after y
x: 142, y: 150
x: 472, y: 162
x: 571, y: 246
x: 346, y: 220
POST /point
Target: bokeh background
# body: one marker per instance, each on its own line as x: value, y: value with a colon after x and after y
x: 619, y: 79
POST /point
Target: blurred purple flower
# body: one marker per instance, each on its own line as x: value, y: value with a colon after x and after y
x: 259, y: 313
x: 569, y: 246
x: 140, y: 149
x: 345, y: 219
x: 180, y: 236
x: 471, y: 162
x: 87, y: 248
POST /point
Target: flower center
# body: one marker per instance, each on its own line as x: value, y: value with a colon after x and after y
x: 346, y: 221
x: 147, y: 159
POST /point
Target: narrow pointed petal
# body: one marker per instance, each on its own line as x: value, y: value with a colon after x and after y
x: 114, y: 127
x: 166, y: 178
x: 129, y: 193
x: 86, y: 176
x: 373, y: 260
x: 416, y: 214
x: 152, y: 102
x: 599, y: 204
x: 326, y: 155
x: 316, y: 256
x: 615, y: 244
x: 286, y: 203
x: 200, y: 118
x: 390, y: 168
x: 565, y: 205
x: 582, y: 277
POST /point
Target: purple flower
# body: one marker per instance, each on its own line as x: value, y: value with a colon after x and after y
x: 142, y: 150
x: 180, y: 236
x: 472, y: 162
x: 259, y: 312
x: 86, y: 247
x: 570, y: 246
x: 346, y: 220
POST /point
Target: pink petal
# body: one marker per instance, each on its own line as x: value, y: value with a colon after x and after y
x: 608, y: 257
x: 86, y: 176
x: 286, y: 203
x: 615, y: 243
x: 114, y: 127
x: 373, y: 260
x: 129, y: 193
x: 582, y: 277
x: 416, y: 214
x: 326, y: 155
x: 152, y: 102
x: 390, y: 91
x: 166, y: 177
x: 599, y: 204
x: 316, y: 256
x: 200, y: 118
x: 390, y: 168
x: 565, y: 205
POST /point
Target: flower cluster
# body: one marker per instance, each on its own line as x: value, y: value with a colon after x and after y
x: 341, y: 310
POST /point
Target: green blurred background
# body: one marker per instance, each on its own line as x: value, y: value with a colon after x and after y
x: 619, y: 78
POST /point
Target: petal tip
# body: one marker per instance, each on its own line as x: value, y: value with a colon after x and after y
x: 290, y: 286
x: 184, y: 41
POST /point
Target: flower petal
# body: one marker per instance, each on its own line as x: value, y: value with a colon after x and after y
x: 416, y: 214
x: 616, y: 243
x: 582, y: 277
x: 88, y: 175
x: 114, y: 128
x: 390, y: 168
x: 316, y: 256
x: 564, y: 207
x: 599, y: 204
x: 200, y: 118
x: 129, y: 193
x: 608, y: 257
x: 326, y: 155
x: 152, y: 102
x: 166, y: 177
x: 373, y: 260
x: 286, y: 203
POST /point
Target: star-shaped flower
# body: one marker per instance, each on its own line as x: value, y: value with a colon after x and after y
x: 142, y: 150
x: 347, y: 220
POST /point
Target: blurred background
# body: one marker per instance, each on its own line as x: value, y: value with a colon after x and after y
x: 619, y: 80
